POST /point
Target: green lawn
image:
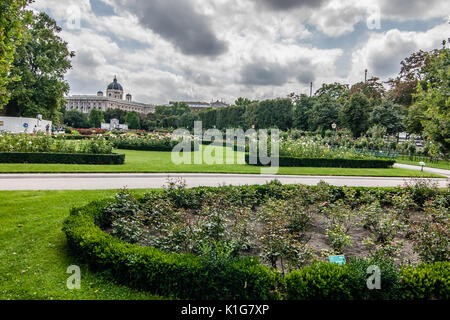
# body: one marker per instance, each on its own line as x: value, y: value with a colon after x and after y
x: 441, y: 165
x: 33, y: 254
x: 153, y: 161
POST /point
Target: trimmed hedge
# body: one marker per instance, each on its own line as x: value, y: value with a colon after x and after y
x: 325, y: 162
x: 66, y: 158
x: 187, y: 276
x: 143, y: 145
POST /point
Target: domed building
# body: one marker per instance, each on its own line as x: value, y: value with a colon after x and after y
x: 114, y: 90
x: 112, y: 100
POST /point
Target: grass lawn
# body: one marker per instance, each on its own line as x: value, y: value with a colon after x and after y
x: 441, y: 165
x: 33, y: 255
x: 153, y: 161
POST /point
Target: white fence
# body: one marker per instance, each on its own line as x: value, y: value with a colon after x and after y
x: 29, y: 125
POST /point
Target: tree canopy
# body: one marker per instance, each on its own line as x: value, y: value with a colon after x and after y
x: 13, y: 18
x: 41, y: 61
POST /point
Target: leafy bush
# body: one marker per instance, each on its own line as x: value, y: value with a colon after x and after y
x: 285, y: 161
x: 70, y: 158
x: 431, y: 237
x: 149, y: 142
x: 325, y: 281
x: 196, y: 252
x: 24, y: 143
x: 426, y: 281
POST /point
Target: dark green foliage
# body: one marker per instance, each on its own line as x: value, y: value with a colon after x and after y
x: 70, y: 158
x: 41, y: 61
x: 325, y: 281
x: 215, y: 274
x: 147, y: 144
x: 387, y: 115
x: 324, y: 113
x: 132, y: 120
x: 427, y: 281
x: 76, y: 119
x: 336, y: 163
x: 96, y: 117
x: 303, y: 107
x: 270, y: 114
x: 354, y: 114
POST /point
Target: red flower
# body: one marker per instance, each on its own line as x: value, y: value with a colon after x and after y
x: 324, y: 204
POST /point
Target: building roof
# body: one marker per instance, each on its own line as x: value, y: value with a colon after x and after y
x: 115, y: 85
x: 103, y: 98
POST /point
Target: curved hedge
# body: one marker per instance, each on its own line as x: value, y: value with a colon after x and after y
x: 325, y: 162
x: 66, y: 158
x: 174, y: 275
x: 187, y: 276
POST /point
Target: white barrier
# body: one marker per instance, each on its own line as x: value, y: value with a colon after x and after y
x: 29, y: 125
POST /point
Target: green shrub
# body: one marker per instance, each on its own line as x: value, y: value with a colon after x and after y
x: 426, y: 281
x: 69, y: 158
x: 216, y: 273
x: 326, y: 281
x: 324, y: 162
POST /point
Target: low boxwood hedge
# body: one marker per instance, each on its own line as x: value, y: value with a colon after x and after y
x: 67, y: 158
x: 187, y: 276
x: 144, y: 145
x: 171, y: 275
x: 325, y: 162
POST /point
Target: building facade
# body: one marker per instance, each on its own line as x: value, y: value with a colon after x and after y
x: 112, y: 100
x: 197, y: 106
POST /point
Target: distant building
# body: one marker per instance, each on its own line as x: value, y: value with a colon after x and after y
x: 197, y: 106
x: 112, y: 100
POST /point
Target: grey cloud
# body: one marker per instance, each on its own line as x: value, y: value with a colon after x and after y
x: 274, y: 74
x: 178, y: 22
x: 290, y: 4
x: 264, y: 74
x: 199, y: 78
x: 305, y: 77
x: 86, y: 59
x: 387, y: 62
x: 410, y: 8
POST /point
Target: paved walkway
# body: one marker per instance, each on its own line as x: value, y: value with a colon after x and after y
x: 441, y: 172
x: 93, y: 181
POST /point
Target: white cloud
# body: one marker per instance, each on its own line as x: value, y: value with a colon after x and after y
x: 156, y: 66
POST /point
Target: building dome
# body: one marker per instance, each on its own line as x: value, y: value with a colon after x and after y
x: 115, y: 85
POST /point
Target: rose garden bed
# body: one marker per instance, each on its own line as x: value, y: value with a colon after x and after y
x: 270, y: 242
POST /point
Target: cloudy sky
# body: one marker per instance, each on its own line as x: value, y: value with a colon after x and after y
x: 208, y: 50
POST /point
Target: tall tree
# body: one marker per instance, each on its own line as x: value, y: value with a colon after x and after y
x: 270, y: 113
x: 13, y: 18
x: 434, y: 99
x: 336, y: 90
x: 115, y: 114
x: 76, y: 119
x: 354, y: 114
x: 40, y: 61
x: 373, y: 89
x: 403, y: 87
x: 96, y: 118
x: 388, y: 116
x: 132, y: 120
x: 243, y: 102
x: 302, y: 111
x: 324, y: 113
